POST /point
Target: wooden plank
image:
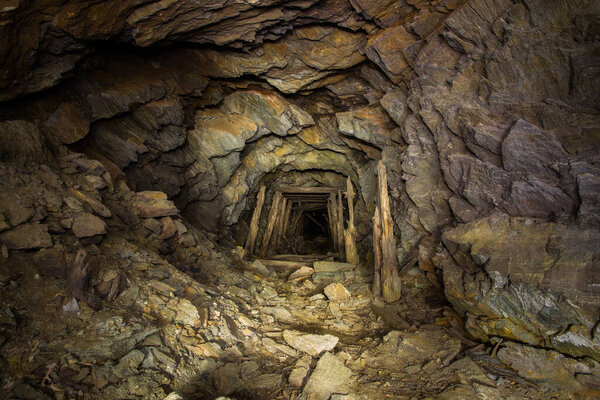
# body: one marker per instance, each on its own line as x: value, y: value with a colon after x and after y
x: 377, y: 253
x: 300, y: 257
x: 251, y: 239
x: 271, y: 219
x: 390, y: 280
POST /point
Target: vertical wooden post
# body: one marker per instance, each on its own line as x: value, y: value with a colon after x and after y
x: 340, y: 226
x: 270, y: 223
x: 279, y: 222
x: 286, y: 221
x: 377, y: 252
x: 391, y: 285
x: 332, y: 208
x: 350, y: 233
x: 251, y: 239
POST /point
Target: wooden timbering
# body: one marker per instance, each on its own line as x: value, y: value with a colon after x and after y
x: 350, y: 232
x: 273, y: 212
x: 251, y: 239
x: 377, y: 252
x: 390, y: 280
x: 340, y: 224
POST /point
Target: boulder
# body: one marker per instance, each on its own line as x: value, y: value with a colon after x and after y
x: 336, y: 292
x: 27, y: 236
x: 327, y: 378
x: 88, y: 225
x: 312, y: 344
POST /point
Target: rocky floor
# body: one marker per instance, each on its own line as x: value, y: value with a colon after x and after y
x: 239, y: 333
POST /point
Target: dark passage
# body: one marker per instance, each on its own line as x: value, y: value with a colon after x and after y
x: 315, y: 235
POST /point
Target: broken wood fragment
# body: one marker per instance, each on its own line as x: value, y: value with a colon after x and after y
x: 377, y: 252
x: 390, y: 279
x: 350, y: 233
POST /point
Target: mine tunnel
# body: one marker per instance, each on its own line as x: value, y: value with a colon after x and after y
x: 316, y: 200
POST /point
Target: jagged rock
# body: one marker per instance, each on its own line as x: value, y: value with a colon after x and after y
x: 87, y: 225
x: 154, y: 204
x: 128, y: 364
x: 328, y: 377
x: 301, y: 274
x: 260, y: 268
x: 311, y: 344
x: 386, y: 50
x: 336, y: 292
x: 27, y: 236
x: 297, y: 376
x: 186, y: 313
x: 547, y: 367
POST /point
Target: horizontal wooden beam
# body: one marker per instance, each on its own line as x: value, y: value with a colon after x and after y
x: 306, y: 189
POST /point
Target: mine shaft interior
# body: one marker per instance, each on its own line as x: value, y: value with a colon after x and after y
x: 300, y: 200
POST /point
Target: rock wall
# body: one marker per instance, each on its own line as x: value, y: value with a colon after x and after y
x: 485, y: 112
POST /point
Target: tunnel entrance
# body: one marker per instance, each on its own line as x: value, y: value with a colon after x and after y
x: 305, y: 221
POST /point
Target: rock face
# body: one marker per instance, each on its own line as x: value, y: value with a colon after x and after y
x: 508, y: 276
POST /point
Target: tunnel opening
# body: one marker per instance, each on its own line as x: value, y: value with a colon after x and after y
x: 315, y: 234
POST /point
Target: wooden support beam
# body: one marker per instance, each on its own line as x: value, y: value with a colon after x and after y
x: 377, y: 252
x: 270, y: 223
x: 251, y: 239
x: 350, y: 233
x: 390, y: 279
x: 307, y: 189
x: 286, y: 221
x: 279, y: 223
x: 340, y: 224
x: 332, y: 207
